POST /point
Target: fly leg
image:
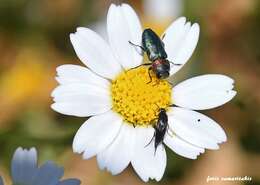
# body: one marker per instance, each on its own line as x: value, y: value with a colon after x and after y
x: 150, y: 140
x: 153, y: 134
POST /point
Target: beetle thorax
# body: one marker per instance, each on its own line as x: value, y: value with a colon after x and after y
x: 161, y: 68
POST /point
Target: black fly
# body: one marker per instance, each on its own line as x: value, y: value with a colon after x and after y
x: 154, y: 48
x: 160, y: 128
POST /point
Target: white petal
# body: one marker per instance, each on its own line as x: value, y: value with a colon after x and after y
x: 181, y: 147
x: 203, y: 92
x: 123, y: 25
x: 180, y: 41
x: 68, y: 73
x: 146, y: 162
x: 196, y: 128
x: 81, y: 100
x: 96, y: 134
x: 116, y: 157
x: 94, y: 52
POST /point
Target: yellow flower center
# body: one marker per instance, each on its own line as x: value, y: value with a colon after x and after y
x: 137, y: 100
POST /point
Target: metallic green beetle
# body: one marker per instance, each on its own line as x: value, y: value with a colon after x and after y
x: 153, y: 46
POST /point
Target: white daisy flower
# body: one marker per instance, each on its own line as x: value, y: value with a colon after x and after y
x: 122, y: 105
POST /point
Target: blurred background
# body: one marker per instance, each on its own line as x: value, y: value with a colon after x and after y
x: 34, y: 40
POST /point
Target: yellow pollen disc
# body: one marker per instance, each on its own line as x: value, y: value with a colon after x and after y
x: 137, y: 100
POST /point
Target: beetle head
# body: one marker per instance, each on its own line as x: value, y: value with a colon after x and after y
x: 162, y: 74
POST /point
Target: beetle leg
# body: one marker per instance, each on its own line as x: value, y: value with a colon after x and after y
x: 149, y: 69
x: 146, y: 64
x: 163, y: 36
x: 174, y: 63
x: 135, y: 45
x: 141, y: 47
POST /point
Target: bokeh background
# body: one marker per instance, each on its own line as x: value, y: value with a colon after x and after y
x: 34, y: 40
